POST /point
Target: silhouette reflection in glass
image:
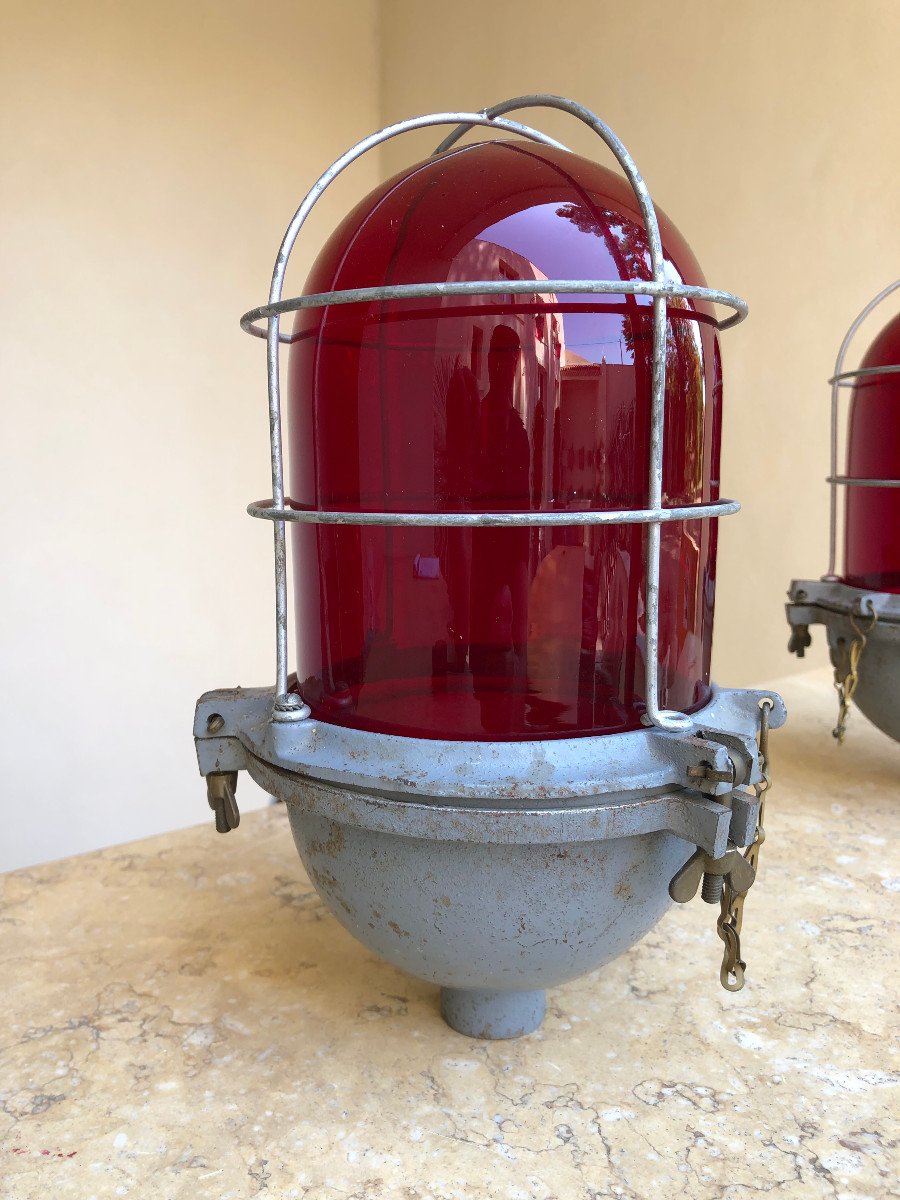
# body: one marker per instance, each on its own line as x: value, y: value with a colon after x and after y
x: 499, y: 581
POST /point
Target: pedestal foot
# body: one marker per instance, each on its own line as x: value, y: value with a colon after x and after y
x: 485, y: 1014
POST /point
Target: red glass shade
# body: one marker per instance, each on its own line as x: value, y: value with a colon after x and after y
x: 498, y: 403
x: 872, y: 527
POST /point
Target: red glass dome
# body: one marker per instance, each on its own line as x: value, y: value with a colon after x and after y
x: 872, y: 527
x: 498, y: 403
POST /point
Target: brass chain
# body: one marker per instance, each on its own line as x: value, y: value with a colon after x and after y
x: 731, y: 912
x: 847, y: 683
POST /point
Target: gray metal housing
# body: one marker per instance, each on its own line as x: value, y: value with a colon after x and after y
x: 496, y: 869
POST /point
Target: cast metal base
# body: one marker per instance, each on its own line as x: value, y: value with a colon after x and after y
x: 496, y: 870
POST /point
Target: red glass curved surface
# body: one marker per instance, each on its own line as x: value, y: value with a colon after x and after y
x: 872, y: 527
x: 497, y: 403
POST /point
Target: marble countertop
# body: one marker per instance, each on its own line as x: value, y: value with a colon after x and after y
x: 184, y: 1018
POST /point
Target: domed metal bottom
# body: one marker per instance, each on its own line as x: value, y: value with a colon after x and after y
x: 483, y: 919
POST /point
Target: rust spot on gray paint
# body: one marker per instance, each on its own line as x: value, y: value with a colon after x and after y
x: 323, y: 880
x: 623, y: 889
x: 332, y: 845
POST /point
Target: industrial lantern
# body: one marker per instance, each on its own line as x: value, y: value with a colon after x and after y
x: 860, y: 609
x: 500, y: 748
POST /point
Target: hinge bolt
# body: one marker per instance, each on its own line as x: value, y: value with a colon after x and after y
x: 800, y: 639
x: 707, y: 774
x: 711, y: 891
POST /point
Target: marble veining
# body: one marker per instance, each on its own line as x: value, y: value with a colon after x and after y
x: 184, y: 1018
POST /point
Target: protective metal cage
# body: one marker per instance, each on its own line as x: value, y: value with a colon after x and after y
x: 849, y: 379
x: 264, y: 322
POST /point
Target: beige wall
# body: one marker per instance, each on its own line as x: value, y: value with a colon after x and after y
x: 768, y: 133
x: 146, y: 177
x: 152, y: 156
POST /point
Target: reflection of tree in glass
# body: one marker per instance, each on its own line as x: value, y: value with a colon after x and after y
x: 685, y: 422
x: 625, y: 240
x: 628, y: 245
x: 685, y: 429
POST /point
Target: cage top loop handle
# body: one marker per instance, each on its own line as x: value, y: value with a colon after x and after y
x: 660, y: 718
x: 603, y: 131
x: 839, y: 378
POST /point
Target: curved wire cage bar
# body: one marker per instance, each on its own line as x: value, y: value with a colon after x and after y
x: 844, y: 379
x: 488, y: 287
x: 851, y: 481
x: 279, y: 510
x: 469, y: 520
x: 849, y: 378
